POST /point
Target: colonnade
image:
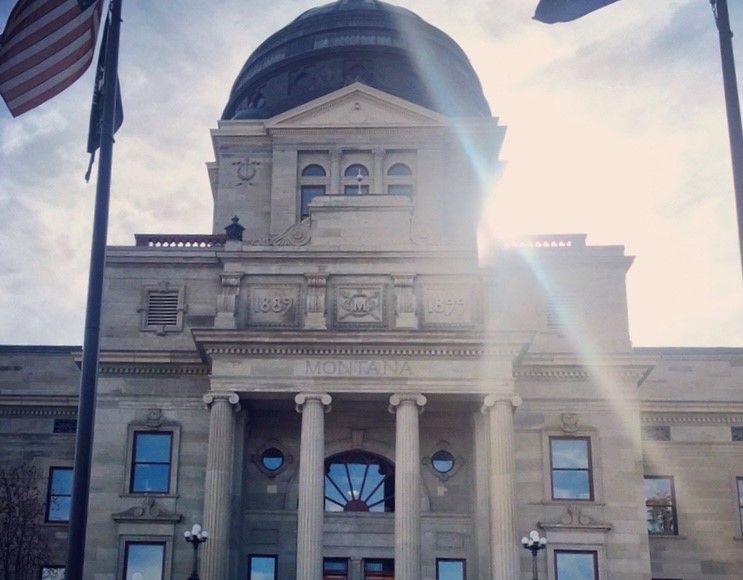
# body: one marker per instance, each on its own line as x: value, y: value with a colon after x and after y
x: 497, y: 439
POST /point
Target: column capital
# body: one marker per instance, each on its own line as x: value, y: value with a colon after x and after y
x: 398, y: 399
x: 323, y: 398
x: 492, y: 400
x: 226, y: 396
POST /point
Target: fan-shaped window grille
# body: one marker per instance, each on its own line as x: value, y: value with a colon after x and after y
x: 357, y: 481
x: 399, y: 170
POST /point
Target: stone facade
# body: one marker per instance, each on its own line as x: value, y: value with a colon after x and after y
x: 350, y: 322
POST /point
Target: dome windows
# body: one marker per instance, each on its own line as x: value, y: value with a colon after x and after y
x: 356, y: 180
x: 313, y: 182
x: 400, y: 180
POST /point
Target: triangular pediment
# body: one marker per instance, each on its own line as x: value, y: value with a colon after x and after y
x: 357, y: 105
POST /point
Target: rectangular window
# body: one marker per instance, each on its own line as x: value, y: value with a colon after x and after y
x: 263, y: 567
x: 450, y: 569
x: 145, y: 560
x: 570, y: 460
x: 162, y: 308
x: 59, y: 494
x: 52, y: 573
x: 375, y: 569
x: 335, y: 569
x: 736, y: 433
x: 660, y: 505
x: 739, y: 481
x: 576, y: 565
x: 151, y: 460
x: 310, y: 192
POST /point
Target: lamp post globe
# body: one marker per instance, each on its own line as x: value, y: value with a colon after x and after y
x: 195, y: 536
x: 534, y: 542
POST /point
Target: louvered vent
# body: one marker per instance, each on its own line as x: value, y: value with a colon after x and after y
x: 560, y: 312
x: 162, y: 308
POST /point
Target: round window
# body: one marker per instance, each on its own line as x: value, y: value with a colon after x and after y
x: 442, y: 461
x: 272, y: 459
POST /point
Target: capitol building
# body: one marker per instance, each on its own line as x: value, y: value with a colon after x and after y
x: 336, y: 386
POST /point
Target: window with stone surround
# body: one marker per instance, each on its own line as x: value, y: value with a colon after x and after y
x: 263, y: 567
x: 660, y: 505
x: 450, y: 569
x: 313, y: 182
x: 357, y: 481
x: 736, y: 433
x: 335, y: 569
x: 152, y: 455
x: 162, y: 308
x: 400, y: 180
x: 576, y: 565
x: 356, y: 180
x: 59, y: 494
x: 379, y: 569
x: 571, y: 468
x: 144, y: 559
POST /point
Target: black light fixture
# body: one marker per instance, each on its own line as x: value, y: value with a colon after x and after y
x: 195, y: 536
x: 534, y: 543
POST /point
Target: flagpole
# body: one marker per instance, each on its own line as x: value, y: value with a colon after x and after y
x: 732, y: 104
x: 91, y: 340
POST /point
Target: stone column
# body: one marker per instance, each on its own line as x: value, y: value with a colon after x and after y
x: 217, y: 489
x: 504, y: 542
x: 311, y: 512
x: 407, y: 485
x: 481, y: 515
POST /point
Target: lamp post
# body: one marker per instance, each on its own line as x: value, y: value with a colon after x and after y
x: 195, y: 537
x: 534, y: 543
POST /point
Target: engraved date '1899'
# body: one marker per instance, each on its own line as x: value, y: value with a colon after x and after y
x: 446, y: 306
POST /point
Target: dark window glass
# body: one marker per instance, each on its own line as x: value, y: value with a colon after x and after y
x: 310, y: 192
x: 442, y: 461
x: 399, y: 170
x: 400, y: 189
x: 65, y: 425
x: 571, y: 468
x: 576, y: 565
x: 263, y: 567
x: 313, y: 171
x: 359, y: 482
x: 356, y: 189
x: 356, y: 170
x: 335, y: 569
x: 144, y: 561
x: 379, y: 569
x: 740, y: 501
x: 660, y: 505
x: 272, y: 459
x: 59, y: 494
x: 151, y: 468
x: 448, y: 569
x: 52, y: 573
x: 736, y: 433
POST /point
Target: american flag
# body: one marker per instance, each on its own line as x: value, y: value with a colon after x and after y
x: 46, y: 46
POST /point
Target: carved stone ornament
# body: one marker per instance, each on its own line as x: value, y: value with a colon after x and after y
x: 148, y: 511
x: 569, y: 422
x: 154, y: 418
x: 297, y: 235
x: 575, y: 519
x: 247, y: 169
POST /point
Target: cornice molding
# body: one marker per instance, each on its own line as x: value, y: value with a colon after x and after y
x: 154, y: 363
x: 36, y: 412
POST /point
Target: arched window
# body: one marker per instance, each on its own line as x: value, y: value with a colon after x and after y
x: 357, y: 481
x: 312, y: 182
x: 400, y: 180
x: 356, y: 180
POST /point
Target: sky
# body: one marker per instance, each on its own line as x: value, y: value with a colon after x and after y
x: 616, y: 129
